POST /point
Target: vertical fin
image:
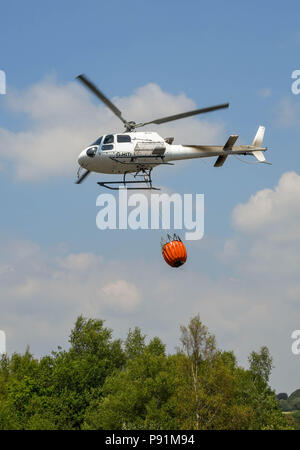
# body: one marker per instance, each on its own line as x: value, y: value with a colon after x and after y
x: 259, y: 137
x: 257, y: 142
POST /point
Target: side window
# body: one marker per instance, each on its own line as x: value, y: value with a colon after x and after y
x: 109, y: 139
x: 123, y: 138
x: 107, y: 147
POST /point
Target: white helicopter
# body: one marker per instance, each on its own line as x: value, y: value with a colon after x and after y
x: 137, y: 153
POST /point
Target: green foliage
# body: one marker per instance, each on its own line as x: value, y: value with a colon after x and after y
x: 294, y: 403
x: 291, y: 403
x: 54, y: 393
x: 134, y: 343
x: 137, y: 397
x: 197, y: 343
x: 295, y: 394
x: 102, y: 383
x: 284, y: 405
x: 282, y: 396
x: 261, y: 365
x: 295, y: 419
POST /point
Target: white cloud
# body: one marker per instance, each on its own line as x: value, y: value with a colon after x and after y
x: 289, y: 112
x: 267, y: 243
x: 41, y: 295
x: 122, y: 294
x: 265, y: 92
x: 80, y: 262
x: 64, y: 119
x: 273, y: 213
x: 264, y: 257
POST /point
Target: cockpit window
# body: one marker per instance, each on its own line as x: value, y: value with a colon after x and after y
x: 109, y: 139
x: 98, y: 141
x: 123, y: 138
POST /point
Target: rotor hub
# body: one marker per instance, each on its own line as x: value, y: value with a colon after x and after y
x: 130, y: 126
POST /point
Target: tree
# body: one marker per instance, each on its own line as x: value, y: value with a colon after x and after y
x: 198, y: 345
x: 295, y: 403
x: 284, y: 405
x: 212, y: 392
x: 54, y: 393
x: 78, y: 374
x: 295, y: 394
x: 101, y: 383
x: 268, y: 414
x: 261, y: 365
x: 134, y: 343
x: 139, y: 396
x: 282, y: 396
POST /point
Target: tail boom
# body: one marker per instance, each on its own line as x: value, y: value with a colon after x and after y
x: 181, y: 152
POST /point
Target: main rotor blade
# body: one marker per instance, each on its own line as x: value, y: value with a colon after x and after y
x: 83, y: 176
x: 101, y: 96
x: 183, y: 115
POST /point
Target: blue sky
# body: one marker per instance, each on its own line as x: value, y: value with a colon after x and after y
x: 212, y: 53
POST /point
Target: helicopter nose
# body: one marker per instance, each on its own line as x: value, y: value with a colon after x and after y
x: 82, y: 159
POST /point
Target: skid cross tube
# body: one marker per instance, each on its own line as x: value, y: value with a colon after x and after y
x: 147, y: 180
x: 106, y: 183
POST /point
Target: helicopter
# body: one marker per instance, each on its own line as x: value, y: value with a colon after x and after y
x: 137, y: 153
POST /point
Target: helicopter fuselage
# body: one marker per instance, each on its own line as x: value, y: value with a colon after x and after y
x: 139, y: 152
x: 135, y: 151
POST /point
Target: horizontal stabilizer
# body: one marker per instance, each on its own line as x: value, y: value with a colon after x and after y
x: 228, y: 146
x: 231, y: 141
x: 220, y: 161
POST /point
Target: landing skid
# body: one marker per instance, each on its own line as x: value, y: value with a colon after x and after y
x: 146, y: 173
